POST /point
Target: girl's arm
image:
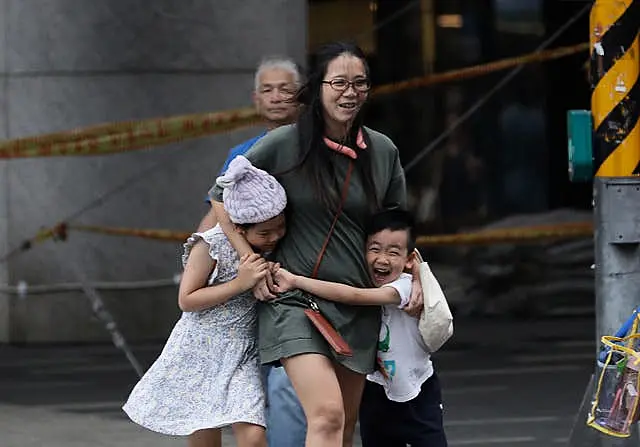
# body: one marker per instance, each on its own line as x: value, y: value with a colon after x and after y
x: 194, y: 294
x: 332, y: 291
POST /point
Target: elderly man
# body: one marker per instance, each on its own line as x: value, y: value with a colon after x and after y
x: 276, y: 83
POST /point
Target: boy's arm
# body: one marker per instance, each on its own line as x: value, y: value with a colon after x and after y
x: 343, y: 293
x: 416, y: 302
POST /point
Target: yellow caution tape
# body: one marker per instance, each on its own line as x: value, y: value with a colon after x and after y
x: 520, y: 235
x: 482, y: 69
x: 494, y: 236
x: 120, y: 137
x: 124, y: 136
x: 511, y: 235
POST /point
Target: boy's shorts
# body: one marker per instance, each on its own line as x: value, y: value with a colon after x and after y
x: 418, y: 422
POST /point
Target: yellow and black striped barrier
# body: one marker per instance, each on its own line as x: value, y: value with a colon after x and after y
x: 615, y: 99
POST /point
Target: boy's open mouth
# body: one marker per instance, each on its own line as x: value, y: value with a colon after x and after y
x: 380, y: 274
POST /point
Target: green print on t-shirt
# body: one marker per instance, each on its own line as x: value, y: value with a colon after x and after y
x: 383, y: 345
x: 388, y: 367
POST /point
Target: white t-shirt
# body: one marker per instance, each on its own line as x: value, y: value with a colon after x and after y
x: 402, y: 354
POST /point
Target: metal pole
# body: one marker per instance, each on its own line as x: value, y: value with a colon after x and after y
x: 615, y: 107
x: 615, y: 90
x: 101, y: 312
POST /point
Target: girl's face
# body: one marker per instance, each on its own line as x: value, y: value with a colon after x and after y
x: 265, y: 236
x: 345, y: 88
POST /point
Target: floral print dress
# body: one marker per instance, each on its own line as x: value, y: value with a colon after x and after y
x: 208, y: 374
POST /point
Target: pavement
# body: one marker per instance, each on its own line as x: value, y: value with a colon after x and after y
x: 505, y: 382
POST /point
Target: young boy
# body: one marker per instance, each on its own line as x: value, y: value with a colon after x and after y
x: 401, y: 402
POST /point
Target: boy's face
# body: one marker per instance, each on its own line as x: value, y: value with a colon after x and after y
x: 265, y: 236
x: 387, y: 255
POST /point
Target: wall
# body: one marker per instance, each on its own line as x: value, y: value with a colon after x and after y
x: 72, y: 63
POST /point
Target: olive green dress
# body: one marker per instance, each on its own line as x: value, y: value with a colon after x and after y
x: 284, y: 330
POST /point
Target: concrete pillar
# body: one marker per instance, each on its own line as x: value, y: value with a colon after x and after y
x: 73, y: 63
x: 4, y: 183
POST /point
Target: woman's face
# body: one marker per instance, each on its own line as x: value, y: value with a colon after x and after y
x: 344, y: 90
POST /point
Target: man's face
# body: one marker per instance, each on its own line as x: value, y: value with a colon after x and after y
x: 274, y: 97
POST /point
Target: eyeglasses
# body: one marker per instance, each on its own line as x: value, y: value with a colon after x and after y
x: 341, y: 85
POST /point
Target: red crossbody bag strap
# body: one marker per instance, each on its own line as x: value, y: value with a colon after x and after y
x: 343, y: 197
x: 325, y: 328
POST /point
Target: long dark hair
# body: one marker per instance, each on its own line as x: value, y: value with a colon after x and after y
x: 314, y: 158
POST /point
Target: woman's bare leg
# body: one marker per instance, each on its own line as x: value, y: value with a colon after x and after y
x: 351, y: 387
x: 211, y: 437
x: 249, y: 435
x: 314, y: 379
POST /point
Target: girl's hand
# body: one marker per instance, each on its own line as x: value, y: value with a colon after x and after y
x: 262, y: 291
x: 273, y: 267
x: 252, y: 269
x: 284, y: 280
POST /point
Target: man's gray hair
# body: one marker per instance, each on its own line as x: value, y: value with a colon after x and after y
x: 281, y: 63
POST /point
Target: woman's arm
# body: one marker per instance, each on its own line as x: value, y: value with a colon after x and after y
x: 262, y: 289
x: 262, y: 155
x: 396, y: 196
x: 208, y: 221
x: 237, y: 240
x: 332, y: 291
x: 194, y: 294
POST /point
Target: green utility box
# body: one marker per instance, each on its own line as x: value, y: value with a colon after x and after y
x: 579, y: 130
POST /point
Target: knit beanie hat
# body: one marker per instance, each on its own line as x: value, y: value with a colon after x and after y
x: 250, y: 195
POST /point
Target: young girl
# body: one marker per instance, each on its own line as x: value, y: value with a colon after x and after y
x: 208, y: 374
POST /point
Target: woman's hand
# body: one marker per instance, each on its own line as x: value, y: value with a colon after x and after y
x: 251, y: 270
x: 284, y: 280
x: 416, y: 302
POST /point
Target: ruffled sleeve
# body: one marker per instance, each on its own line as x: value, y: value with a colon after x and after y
x: 208, y: 238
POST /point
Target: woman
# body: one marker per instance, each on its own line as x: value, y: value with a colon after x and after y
x: 325, y: 155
